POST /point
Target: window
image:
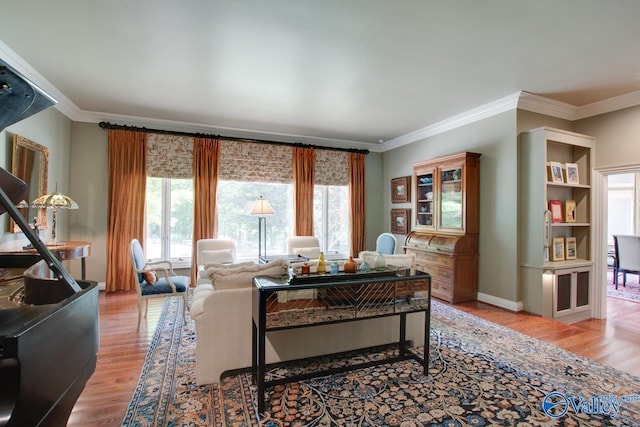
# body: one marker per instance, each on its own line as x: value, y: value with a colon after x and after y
x: 234, y: 201
x: 331, y: 217
x: 622, y: 205
x: 169, y: 219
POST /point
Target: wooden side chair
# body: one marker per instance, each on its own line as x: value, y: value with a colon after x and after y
x: 156, y: 280
x: 627, y: 257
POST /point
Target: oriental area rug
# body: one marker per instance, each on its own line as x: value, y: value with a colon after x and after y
x: 480, y: 374
x: 630, y: 292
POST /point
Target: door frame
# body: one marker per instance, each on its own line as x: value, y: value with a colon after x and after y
x: 600, y: 182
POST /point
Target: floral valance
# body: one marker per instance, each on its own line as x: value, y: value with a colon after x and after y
x: 255, y: 162
x: 332, y: 168
x: 169, y: 156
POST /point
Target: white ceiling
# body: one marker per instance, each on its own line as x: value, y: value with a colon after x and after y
x: 347, y: 72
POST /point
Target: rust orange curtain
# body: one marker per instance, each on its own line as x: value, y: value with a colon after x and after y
x: 206, y: 158
x: 303, y: 165
x: 126, y: 200
x: 356, y: 196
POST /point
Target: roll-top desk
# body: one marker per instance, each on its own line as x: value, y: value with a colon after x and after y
x: 451, y: 261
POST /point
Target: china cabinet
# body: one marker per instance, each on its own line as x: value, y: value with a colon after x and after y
x: 446, y: 224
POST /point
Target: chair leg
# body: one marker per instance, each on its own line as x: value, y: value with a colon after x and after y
x: 139, y: 313
x: 185, y: 307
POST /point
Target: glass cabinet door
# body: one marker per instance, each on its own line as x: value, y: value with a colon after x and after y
x: 425, y: 211
x: 451, y: 198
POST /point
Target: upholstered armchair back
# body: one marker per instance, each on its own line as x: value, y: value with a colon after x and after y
x: 308, y: 246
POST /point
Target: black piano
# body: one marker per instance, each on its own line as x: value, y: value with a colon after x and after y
x: 49, y: 328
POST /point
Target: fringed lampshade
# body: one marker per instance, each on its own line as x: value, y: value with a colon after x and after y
x: 54, y: 201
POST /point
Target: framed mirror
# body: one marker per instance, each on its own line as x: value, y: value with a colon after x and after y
x: 30, y: 163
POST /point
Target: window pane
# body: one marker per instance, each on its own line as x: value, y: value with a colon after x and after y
x: 620, y: 205
x: 181, y: 220
x: 331, y: 217
x: 235, y: 199
x: 153, y: 196
x: 338, y: 219
x: 169, y: 218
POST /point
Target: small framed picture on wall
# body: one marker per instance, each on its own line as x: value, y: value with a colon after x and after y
x: 401, y: 190
x: 400, y: 221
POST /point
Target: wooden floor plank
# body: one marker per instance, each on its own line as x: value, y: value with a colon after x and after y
x: 614, y: 342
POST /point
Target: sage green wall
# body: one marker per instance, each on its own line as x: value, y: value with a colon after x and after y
x: 89, y: 188
x: 53, y: 130
x: 617, y: 137
x: 374, y: 199
x: 495, y: 138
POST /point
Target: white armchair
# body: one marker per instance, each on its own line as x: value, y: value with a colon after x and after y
x: 308, y: 246
x: 209, y: 251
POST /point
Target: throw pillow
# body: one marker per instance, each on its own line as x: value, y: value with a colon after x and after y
x: 221, y: 256
x: 150, y: 277
x: 311, y: 253
x: 242, y: 277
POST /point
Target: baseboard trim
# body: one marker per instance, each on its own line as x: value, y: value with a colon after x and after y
x: 516, y: 306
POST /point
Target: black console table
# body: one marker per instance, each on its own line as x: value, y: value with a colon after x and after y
x: 335, y: 299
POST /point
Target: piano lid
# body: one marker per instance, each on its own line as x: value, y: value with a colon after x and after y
x: 19, y: 98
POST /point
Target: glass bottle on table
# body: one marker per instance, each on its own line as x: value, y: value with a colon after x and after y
x: 380, y: 264
x: 322, y: 266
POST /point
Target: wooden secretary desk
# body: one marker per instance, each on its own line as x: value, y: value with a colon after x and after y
x: 446, y: 224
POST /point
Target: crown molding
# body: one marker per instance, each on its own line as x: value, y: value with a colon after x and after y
x: 549, y: 107
x: 631, y: 99
x: 490, y: 109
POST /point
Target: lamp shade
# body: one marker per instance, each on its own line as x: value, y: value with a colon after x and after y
x: 261, y: 207
x: 54, y: 201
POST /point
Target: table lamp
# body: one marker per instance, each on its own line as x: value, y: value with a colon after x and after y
x: 54, y: 201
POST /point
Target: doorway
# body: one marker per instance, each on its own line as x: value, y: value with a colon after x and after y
x: 600, y: 223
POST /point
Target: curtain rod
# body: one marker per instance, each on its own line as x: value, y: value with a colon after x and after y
x: 107, y: 125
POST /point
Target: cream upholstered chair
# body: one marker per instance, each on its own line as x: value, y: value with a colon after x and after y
x: 156, y: 280
x: 209, y: 251
x: 386, y: 244
x: 308, y: 246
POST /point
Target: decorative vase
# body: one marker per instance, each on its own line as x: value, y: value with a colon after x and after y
x: 322, y: 267
x: 335, y: 268
x: 380, y: 264
x: 365, y: 267
x: 350, y: 266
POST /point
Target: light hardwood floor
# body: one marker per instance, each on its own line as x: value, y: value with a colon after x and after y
x: 614, y: 342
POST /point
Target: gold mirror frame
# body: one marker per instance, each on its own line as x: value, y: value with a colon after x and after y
x: 23, y: 165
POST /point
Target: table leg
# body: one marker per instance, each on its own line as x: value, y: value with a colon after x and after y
x: 427, y: 336
x: 254, y: 351
x: 261, y: 356
x: 403, y: 334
